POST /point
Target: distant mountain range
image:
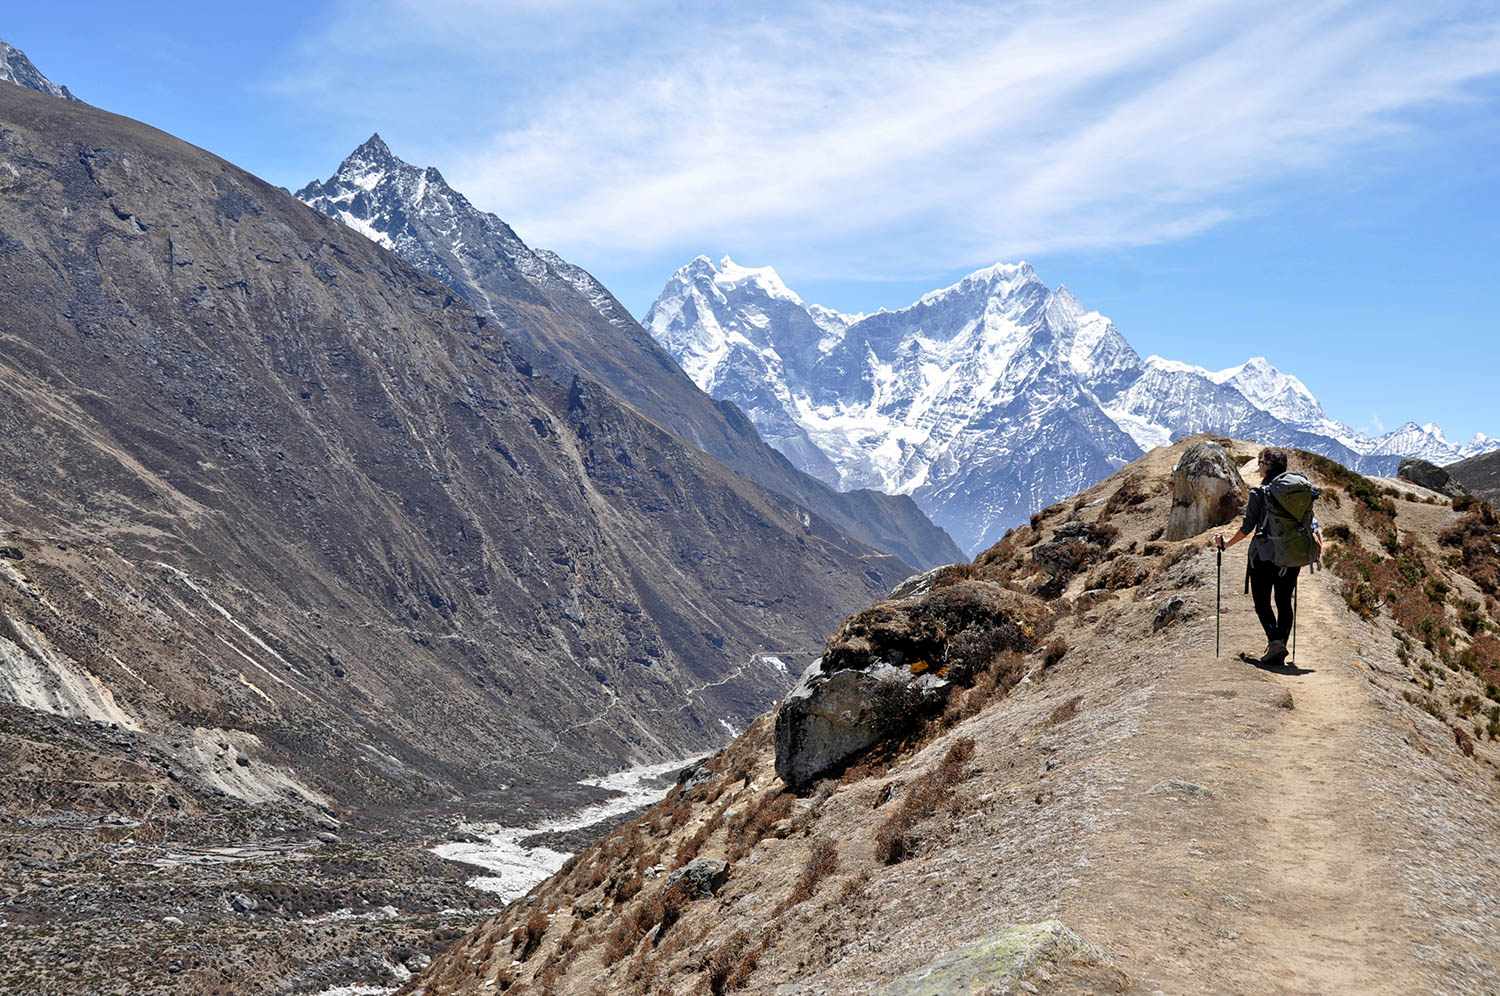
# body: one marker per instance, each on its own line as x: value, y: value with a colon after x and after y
x: 984, y: 400
x: 569, y: 322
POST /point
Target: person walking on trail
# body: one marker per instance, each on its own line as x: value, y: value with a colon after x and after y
x: 1287, y: 538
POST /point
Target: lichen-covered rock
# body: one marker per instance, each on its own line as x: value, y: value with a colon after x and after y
x: 1207, y: 491
x: 701, y: 877
x: 998, y: 962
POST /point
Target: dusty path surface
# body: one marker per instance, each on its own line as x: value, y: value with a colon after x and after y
x: 1250, y: 856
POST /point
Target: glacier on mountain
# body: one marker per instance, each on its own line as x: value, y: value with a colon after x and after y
x: 984, y: 400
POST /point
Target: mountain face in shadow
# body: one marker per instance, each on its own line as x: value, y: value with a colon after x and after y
x: 570, y: 322
x: 269, y: 485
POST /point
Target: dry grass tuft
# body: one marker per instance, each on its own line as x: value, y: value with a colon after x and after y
x: 528, y: 937
x: 723, y: 960
x: 896, y: 840
x: 822, y: 861
x: 1066, y: 711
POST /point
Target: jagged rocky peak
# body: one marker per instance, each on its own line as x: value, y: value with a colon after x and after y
x: 16, y: 68
x: 569, y: 323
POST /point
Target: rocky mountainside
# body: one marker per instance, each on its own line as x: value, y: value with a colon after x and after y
x: 1480, y: 474
x: 570, y: 322
x: 1036, y: 773
x: 983, y: 400
x: 16, y: 68
x: 290, y: 536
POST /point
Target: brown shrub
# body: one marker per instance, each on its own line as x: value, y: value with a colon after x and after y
x: 745, y: 967
x: 1464, y: 740
x: 1482, y: 656
x: 722, y: 961
x: 1066, y: 711
x: 1130, y: 493
x: 528, y: 937
x: 896, y: 838
x: 1122, y: 572
x: 822, y: 861
x: 757, y: 820
x: 1476, y: 540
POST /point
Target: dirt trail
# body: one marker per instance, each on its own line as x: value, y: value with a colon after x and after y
x: 1249, y: 856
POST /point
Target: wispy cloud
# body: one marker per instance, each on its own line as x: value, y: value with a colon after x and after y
x: 880, y: 137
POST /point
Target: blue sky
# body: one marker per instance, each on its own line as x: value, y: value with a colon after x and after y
x: 1312, y: 181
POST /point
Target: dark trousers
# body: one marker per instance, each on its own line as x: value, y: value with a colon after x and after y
x: 1268, y: 582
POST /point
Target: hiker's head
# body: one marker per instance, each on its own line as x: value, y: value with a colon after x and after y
x: 1272, y: 463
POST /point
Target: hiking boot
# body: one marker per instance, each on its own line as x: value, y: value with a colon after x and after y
x: 1275, y: 654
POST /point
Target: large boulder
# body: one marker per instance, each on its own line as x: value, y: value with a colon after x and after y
x: 831, y: 716
x: 893, y: 663
x: 1430, y: 476
x: 1207, y: 491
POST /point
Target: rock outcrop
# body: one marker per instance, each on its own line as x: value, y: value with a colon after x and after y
x: 701, y: 877
x: 1207, y: 491
x: 895, y: 662
x: 1429, y: 475
x: 1002, y: 960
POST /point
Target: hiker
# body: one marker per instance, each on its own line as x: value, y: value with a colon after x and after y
x: 1287, y: 538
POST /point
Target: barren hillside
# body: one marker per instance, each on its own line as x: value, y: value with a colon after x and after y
x: 291, y: 538
x: 1104, y: 805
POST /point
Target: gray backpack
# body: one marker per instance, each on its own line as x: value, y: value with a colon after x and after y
x: 1287, y: 523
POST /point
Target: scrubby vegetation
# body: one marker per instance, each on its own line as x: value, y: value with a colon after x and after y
x: 898, y: 837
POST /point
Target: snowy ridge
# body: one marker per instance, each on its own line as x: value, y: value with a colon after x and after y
x: 16, y: 68
x: 984, y: 400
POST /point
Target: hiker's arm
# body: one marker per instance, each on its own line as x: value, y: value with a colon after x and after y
x: 1252, y: 515
x: 1231, y: 540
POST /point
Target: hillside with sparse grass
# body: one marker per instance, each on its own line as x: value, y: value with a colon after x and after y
x: 1099, y: 804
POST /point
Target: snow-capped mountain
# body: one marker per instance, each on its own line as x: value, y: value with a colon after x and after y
x: 984, y: 400
x: 979, y: 400
x: 16, y: 68
x: 1428, y: 442
x: 568, y: 323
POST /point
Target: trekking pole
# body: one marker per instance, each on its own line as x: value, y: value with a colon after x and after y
x: 1294, y: 619
x: 1219, y: 595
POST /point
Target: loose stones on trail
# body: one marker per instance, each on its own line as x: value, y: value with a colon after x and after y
x: 1207, y: 491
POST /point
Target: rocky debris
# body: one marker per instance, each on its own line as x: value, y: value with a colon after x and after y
x: 1207, y: 491
x: 1173, y: 610
x: 701, y: 877
x: 241, y: 903
x: 1000, y: 962
x: 888, y: 666
x: 694, y: 775
x: 11, y: 553
x: 1073, y: 546
x: 938, y: 631
x: 1430, y: 476
x: 1178, y: 787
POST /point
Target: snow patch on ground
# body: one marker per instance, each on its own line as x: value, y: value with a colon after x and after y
x: 516, y: 867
